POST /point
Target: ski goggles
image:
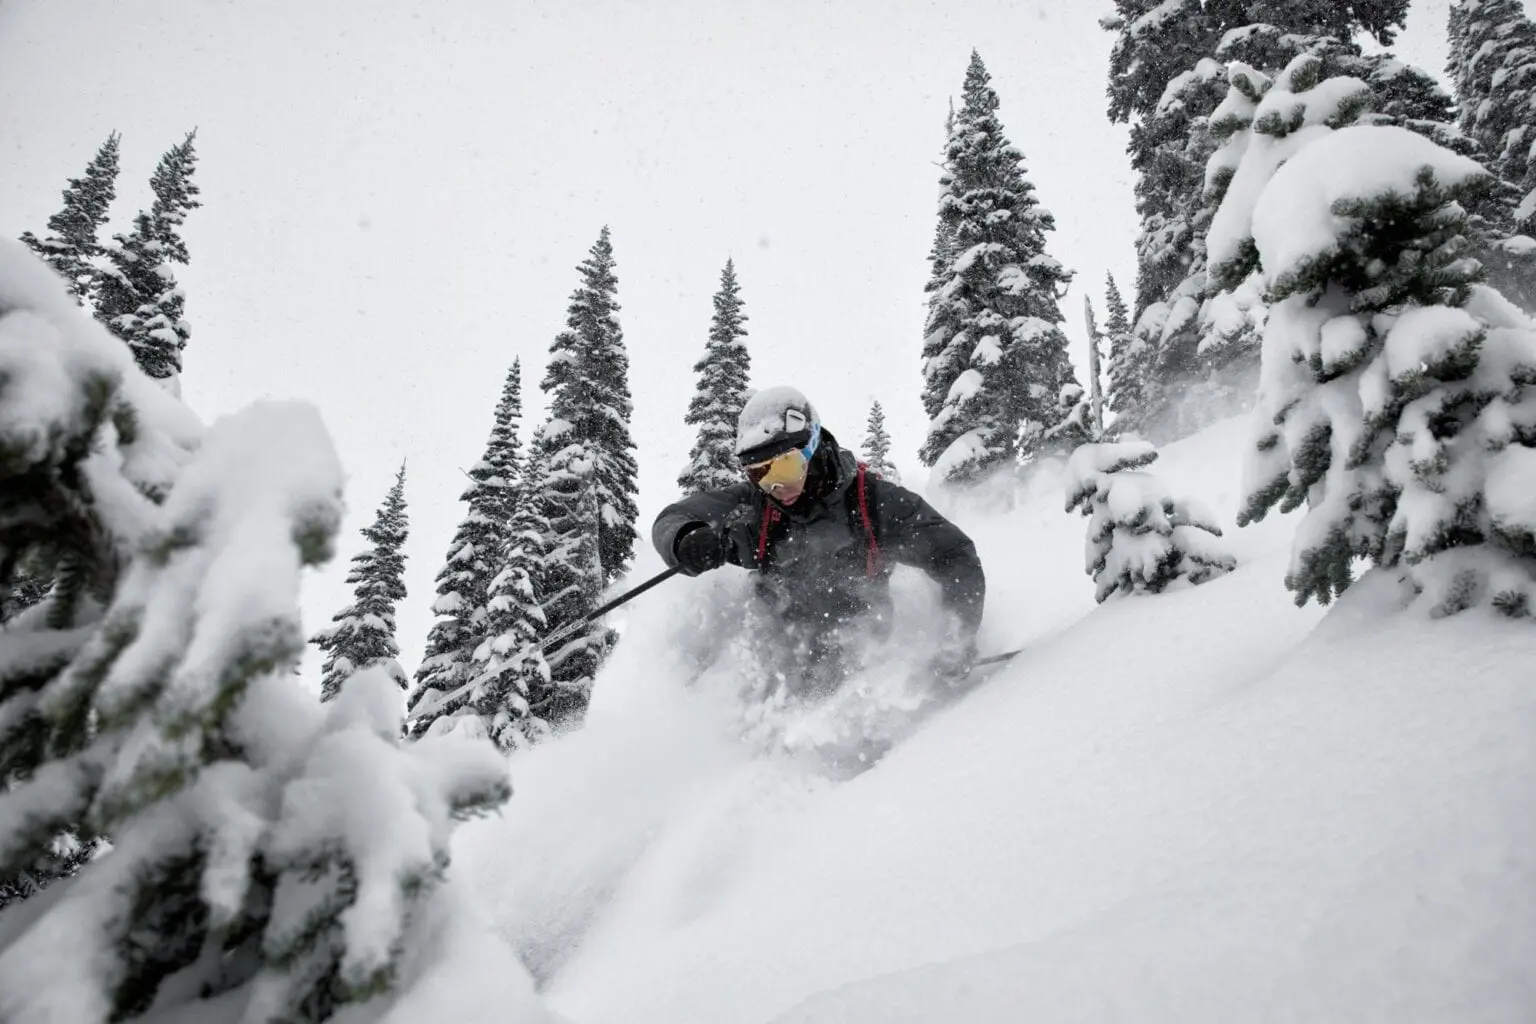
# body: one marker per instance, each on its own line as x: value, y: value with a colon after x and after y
x: 785, y: 468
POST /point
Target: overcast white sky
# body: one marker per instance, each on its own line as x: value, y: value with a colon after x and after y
x: 397, y: 193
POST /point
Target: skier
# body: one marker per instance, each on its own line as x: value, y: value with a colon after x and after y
x: 821, y: 531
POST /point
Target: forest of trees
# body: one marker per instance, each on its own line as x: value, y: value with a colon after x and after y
x: 1389, y: 362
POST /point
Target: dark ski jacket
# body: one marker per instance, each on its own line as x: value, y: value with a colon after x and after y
x: 816, y: 564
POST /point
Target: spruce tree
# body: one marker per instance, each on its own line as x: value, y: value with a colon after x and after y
x: 724, y: 372
x: 1140, y: 539
x: 1001, y: 294
x: 271, y: 856
x: 943, y: 357
x: 362, y: 635
x: 1399, y: 396
x: 137, y: 294
x: 71, y: 246
x: 1128, y: 361
x: 474, y: 560
x: 512, y: 671
x: 571, y: 578
x: 1166, y: 79
x: 877, y: 445
x: 587, y: 381
x: 1493, y: 66
x: 943, y: 361
x: 586, y: 482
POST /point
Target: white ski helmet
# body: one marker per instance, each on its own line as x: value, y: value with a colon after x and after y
x: 772, y: 422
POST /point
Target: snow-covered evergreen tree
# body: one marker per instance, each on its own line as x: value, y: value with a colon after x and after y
x: 877, y: 445
x: 137, y: 296
x: 1140, y: 539
x: 942, y: 361
x: 587, y: 381
x: 473, y: 563
x: 1396, y: 401
x: 586, y: 483
x: 1167, y: 75
x: 566, y: 488
x: 1493, y: 65
x: 1128, y: 362
x: 362, y: 635
x: 724, y: 372
x: 512, y: 669
x: 272, y: 858
x: 1001, y: 297
x: 71, y: 246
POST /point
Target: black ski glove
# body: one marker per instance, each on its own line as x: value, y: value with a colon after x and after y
x: 700, y: 550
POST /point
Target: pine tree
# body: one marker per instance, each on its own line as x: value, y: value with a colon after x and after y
x: 1001, y: 295
x: 1140, y: 540
x: 571, y: 579
x: 137, y: 295
x: 586, y: 483
x: 943, y: 361
x: 150, y: 698
x: 1166, y: 79
x: 363, y: 634
x: 1493, y: 65
x: 943, y: 358
x: 877, y: 445
x: 588, y: 383
x: 474, y: 560
x: 724, y: 372
x: 512, y: 669
x: 1128, y: 361
x: 1397, y: 402
x: 71, y: 245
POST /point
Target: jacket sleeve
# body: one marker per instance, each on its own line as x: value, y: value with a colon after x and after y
x: 719, y: 510
x: 912, y: 532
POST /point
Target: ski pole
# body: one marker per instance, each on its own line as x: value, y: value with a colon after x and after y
x: 571, y: 627
x: 993, y: 659
x: 434, y: 701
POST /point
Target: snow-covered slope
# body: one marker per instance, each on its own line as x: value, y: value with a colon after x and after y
x: 1197, y: 806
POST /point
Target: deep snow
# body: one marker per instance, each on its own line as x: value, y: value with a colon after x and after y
x: 1201, y: 805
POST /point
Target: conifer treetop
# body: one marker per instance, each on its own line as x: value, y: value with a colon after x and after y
x: 137, y: 295
x: 362, y: 635
x: 71, y: 243
x: 590, y: 402
x: 877, y: 444
x: 1003, y: 364
x: 723, y: 375
x: 473, y: 561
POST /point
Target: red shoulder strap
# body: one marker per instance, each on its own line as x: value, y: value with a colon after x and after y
x: 873, y: 561
x: 769, y: 517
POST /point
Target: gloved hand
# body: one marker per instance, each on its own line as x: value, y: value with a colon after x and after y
x: 699, y: 550
x: 954, y: 661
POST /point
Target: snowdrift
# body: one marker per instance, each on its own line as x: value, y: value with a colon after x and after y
x: 1204, y: 805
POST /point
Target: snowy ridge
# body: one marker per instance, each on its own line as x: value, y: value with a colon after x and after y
x: 1193, y: 806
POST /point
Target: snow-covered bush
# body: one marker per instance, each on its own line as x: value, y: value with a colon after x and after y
x: 1395, y: 395
x: 1140, y: 540
x: 271, y: 857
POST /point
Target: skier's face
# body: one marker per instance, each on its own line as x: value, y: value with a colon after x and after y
x: 788, y: 494
x: 783, y: 476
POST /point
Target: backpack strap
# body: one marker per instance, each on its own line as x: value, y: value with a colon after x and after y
x: 769, y: 517
x: 874, y: 562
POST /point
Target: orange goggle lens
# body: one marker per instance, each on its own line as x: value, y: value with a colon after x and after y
x: 787, y: 468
